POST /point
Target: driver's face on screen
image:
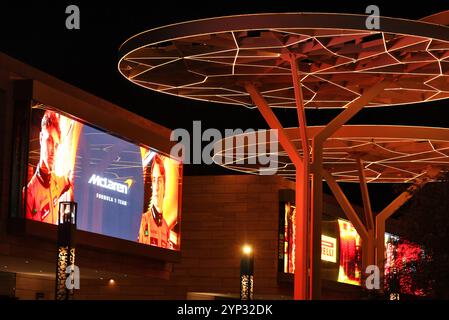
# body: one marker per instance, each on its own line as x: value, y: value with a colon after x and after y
x: 49, y: 139
x: 158, y: 187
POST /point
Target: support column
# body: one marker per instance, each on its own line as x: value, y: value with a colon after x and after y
x: 315, y: 219
x: 315, y: 244
x: 301, y: 278
x: 300, y: 289
x: 368, y: 251
x: 365, y: 195
x: 302, y: 183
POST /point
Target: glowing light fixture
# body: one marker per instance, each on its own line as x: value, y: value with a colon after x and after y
x: 246, y: 273
x: 65, y: 263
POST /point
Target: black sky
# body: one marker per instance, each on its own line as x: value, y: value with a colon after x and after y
x: 35, y: 33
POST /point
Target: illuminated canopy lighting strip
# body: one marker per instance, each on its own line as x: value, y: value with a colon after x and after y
x: 333, y: 55
x: 381, y: 155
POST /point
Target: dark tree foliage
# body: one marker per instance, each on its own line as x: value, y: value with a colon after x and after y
x: 425, y: 221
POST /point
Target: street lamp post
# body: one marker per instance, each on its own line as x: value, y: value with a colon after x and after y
x: 246, y: 274
x: 65, y: 264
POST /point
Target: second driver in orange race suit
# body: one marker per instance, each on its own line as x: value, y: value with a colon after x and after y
x: 154, y: 229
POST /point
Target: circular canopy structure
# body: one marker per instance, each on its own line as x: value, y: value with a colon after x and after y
x: 311, y: 60
x: 393, y: 154
x: 338, y: 59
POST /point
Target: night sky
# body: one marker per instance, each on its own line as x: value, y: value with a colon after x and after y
x: 35, y: 33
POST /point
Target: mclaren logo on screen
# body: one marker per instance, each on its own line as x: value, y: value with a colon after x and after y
x: 109, y: 184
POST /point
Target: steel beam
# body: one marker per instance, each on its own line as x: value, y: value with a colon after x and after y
x: 304, y: 204
x: 369, y: 251
x: 369, y: 221
x: 345, y: 205
x: 274, y: 123
x: 351, y: 110
x: 300, y: 279
x: 316, y: 218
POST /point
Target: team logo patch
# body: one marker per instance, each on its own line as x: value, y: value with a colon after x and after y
x: 153, y: 241
x: 45, y: 211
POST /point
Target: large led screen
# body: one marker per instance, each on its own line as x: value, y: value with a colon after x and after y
x: 287, y: 238
x: 122, y: 190
x: 341, y: 254
x: 350, y: 270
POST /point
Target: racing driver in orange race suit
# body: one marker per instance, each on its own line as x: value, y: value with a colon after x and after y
x: 154, y: 229
x: 45, y: 187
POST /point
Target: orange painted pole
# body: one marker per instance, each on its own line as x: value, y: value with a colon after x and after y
x: 300, y: 288
x: 306, y: 244
x: 369, y: 220
x: 301, y: 277
x: 315, y: 218
x: 368, y: 251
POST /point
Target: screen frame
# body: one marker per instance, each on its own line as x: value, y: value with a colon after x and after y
x: 101, y: 115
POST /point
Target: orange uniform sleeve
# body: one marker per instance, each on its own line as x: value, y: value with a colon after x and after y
x: 29, y: 205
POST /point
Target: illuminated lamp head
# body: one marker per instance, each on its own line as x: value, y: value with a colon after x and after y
x: 157, y: 182
x: 247, y: 250
x: 49, y: 138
